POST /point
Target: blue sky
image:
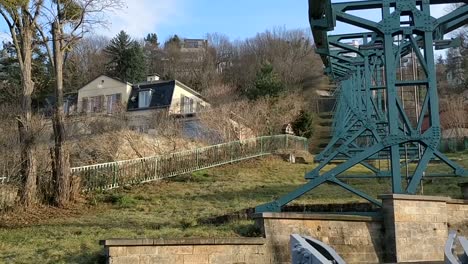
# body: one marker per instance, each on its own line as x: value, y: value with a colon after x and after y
x: 195, y: 18
x: 239, y: 19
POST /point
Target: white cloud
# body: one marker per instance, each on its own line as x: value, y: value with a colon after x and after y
x: 140, y: 17
x: 440, y: 10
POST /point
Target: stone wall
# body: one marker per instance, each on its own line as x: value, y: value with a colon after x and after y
x: 415, y: 227
x: 187, y: 251
x: 457, y: 216
x: 411, y: 229
x: 357, y: 239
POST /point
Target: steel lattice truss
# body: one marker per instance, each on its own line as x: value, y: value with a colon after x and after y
x: 375, y: 119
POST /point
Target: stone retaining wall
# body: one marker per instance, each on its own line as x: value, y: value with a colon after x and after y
x: 357, y: 239
x: 457, y: 215
x: 187, y: 251
x: 411, y: 229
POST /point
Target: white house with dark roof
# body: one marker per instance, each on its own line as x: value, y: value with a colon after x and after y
x: 155, y: 95
x: 103, y: 95
x: 106, y: 95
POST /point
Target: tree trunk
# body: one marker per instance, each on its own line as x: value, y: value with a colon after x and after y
x: 28, y: 195
x: 61, y: 162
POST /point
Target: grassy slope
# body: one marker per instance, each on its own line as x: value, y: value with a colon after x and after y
x: 172, y: 208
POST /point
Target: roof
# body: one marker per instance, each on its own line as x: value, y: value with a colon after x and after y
x: 161, y: 96
x: 103, y: 75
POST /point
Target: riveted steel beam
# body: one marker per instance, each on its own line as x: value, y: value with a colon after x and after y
x: 374, y: 120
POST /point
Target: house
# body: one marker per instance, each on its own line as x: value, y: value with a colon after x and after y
x: 193, y: 45
x: 155, y: 95
x: 140, y: 102
x: 103, y: 95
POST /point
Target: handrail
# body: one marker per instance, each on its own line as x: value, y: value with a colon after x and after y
x: 306, y: 250
x: 112, y: 175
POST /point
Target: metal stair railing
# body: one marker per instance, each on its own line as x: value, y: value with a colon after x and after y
x: 306, y: 250
x: 112, y: 175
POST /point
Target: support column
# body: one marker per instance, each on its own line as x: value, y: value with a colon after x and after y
x: 415, y: 227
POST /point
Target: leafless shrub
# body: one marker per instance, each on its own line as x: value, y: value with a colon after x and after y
x: 454, y: 116
x: 243, y: 118
x: 10, y: 162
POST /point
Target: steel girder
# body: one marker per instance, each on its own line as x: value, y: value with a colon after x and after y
x: 371, y: 121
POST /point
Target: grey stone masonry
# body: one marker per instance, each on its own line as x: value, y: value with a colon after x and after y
x: 410, y: 229
x: 186, y: 251
x: 415, y: 227
x: 357, y: 239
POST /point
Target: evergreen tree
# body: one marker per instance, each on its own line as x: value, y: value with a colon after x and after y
x: 152, y: 39
x: 152, y: 53
x: 175, y: 41
x: 127, y: 59
x: 267, y: 83
x: 303, y: 126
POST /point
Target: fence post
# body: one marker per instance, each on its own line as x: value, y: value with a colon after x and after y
x: 286, y: 147
x: 155, y: 168
x: 230, y: 150
x: 196, y: 158
x: 261, y: 145
x: 114, y: 180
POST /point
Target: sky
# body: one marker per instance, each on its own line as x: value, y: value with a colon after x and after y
x: 237, y: 19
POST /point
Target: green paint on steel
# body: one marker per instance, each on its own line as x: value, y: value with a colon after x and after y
x: 371, y: 121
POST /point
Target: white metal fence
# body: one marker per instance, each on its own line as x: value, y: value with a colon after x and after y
x: 115, y: 174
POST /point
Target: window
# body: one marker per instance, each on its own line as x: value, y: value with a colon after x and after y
x: 113, y: 102
x: 96, y: 104
x: 144, y: 99
x: 186, y: 105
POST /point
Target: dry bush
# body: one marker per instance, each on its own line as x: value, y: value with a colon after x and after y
x: 220, y: 94
x: 454, y: 115
x: 107, y: 139
x: 10, y: 162
x: 265, y: 116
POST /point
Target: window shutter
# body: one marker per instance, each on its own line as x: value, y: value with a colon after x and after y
x: 182, y: 101
x: 191, y: 105
x: 101, y: 107
x: 84, y: 105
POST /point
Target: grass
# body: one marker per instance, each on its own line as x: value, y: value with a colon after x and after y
x: 180, y: 207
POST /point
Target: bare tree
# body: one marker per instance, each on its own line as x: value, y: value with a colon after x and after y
x: 68, y: 21
x: 21, y: 16
x: 85, y: 61
x: 455, y: 117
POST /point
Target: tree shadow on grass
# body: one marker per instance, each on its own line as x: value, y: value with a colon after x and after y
x: 87, y: 257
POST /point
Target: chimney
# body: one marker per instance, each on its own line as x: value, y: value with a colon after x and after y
x: 152, y: 78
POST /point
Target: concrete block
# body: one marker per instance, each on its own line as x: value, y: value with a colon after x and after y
x: 196, y: 259
x: 176, y: 250
x: 257, y: 259
x: 117, y: 251
x: 124, y: 260
x: 163, y: 259
x: 225, y: 259
x: 212, y: 249
x: 143, y: 250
